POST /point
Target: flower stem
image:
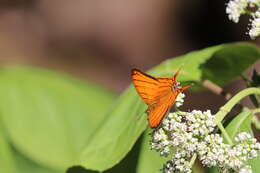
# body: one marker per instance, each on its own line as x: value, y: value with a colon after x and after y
x: 215, y: 89
x: 224, y: 110
x: 192, y: 160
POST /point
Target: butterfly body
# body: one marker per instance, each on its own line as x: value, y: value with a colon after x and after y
x: 158, y: 93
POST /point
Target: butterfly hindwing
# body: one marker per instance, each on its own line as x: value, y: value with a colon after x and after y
x: 157, y: 113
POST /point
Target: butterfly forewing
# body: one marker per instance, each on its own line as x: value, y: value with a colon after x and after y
x: 146, y: 86
x: 149, y: 88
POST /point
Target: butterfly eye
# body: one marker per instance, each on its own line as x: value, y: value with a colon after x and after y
x: 176, y: 86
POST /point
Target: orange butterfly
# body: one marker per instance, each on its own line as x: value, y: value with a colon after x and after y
x: 158, y: 93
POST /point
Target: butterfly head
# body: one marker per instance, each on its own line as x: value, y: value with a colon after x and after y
x: 176, y: 86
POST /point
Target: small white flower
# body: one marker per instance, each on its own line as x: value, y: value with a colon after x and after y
x: 253, y: 153
x: 235, y: 8
x: 179, y: 100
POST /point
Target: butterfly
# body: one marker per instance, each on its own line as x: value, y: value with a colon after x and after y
x: 158, y: 93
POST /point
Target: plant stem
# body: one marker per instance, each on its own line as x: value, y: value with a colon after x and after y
x: 224, y: 133
x: 215, y: 89
x: 224, y: 110
x: 192, y: 160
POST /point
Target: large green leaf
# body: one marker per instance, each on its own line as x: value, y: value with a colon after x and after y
x: 229, y: 63
x: 13, y: 162
x: 25, y: 165
x: 49, y: 117
x: 126, y: 120
x: 127, y: 165
x: 7, y: 162
x: 220, y: 64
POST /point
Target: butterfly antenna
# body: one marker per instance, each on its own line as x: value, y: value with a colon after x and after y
x: 178, y: 72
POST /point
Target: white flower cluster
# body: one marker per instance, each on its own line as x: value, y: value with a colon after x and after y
x: 236, y: 8
x: 213, y: 152
x: 185, y: 134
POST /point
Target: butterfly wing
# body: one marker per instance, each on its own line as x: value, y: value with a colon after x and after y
x: 149, y: 88
x: 145, y: 85
x: 158, y: 111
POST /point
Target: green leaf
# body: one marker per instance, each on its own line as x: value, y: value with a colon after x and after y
x: 241, y: 123
x: 7, y: 163
x: 149, y: 160
x: 126, y: 120
x: 127, y: 165
x: 13, y: 162
x: 117, y: 134
x: 229, y: 63
x: 48, y: 116
x: 25, y: 165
